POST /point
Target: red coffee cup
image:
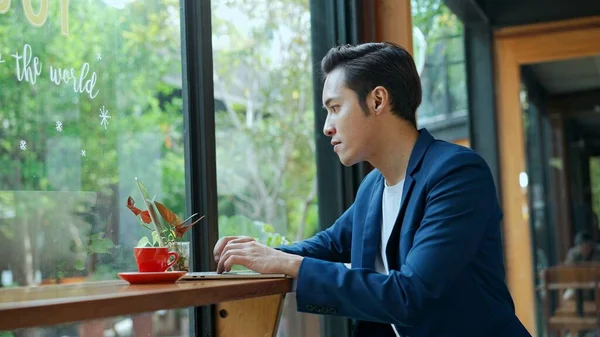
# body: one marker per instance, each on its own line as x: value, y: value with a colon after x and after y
x: 154, y: 259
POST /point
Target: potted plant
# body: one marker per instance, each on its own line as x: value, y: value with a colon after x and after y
x: 166, y: 228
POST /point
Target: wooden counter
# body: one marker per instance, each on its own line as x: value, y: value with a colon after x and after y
x: 56, y: 304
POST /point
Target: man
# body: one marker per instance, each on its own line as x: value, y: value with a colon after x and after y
x: 585, y: 250
x: 422, y: 236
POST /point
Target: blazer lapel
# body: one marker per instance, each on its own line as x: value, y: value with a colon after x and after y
x: 372, y: 229
x: 423, y: 141
x: 391, y: 250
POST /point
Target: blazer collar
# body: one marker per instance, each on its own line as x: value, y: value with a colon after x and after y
x: 372, y: 231
x: 416, y: 157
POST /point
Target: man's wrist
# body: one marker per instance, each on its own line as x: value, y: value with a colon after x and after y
x: 292, y: 265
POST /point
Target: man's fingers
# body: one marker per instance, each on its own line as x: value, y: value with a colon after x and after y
x: 234, y: 260
x: 236, y: 245
x: 220, y: 245
x: 227, y: 254
x: 242, y: 239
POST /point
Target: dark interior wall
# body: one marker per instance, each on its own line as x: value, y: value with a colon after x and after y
x: 481, y: 96
x: 582, y: 136
x: 505, y: 13
x: 541, y: 174
x: 334, y: 22
x: 579, y: 176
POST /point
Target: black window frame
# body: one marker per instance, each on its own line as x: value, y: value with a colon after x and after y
x: 200, y: 151
x: 333, y: 22
x: 336, y: 22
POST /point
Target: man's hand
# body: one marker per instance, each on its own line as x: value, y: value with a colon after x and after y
x: 245, y: 251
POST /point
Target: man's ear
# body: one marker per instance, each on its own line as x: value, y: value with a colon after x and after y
x: 380, y: 99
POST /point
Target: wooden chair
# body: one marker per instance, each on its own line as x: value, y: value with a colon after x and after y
x: 570, y: 315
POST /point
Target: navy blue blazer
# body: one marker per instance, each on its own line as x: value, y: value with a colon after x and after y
x: 445, y: 254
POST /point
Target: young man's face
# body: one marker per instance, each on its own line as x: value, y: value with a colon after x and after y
x: 587, y: 248
x: 347, y: 124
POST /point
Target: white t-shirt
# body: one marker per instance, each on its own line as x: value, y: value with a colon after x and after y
x: 390, y: 207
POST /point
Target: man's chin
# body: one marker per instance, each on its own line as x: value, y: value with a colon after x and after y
x: 347, y: 161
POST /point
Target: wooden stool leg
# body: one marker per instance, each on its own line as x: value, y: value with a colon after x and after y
x: 250, y: 317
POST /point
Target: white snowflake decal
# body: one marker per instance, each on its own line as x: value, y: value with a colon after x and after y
x: 99, y: 56
x: 59, y: 126
x: 104, y: 117
x: 83, y: 153
x: 23, y: 145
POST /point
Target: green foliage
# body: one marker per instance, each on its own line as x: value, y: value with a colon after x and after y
x: 62, y: 202
x: 242, y: 225
x: 274, y: 239
x: 145, y: 242
x: 441, y: 46
x: 99, y: 244
x: 264, y: 119
x: 65, y: 205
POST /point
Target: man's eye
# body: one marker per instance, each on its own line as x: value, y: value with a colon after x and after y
x: 335, y: 108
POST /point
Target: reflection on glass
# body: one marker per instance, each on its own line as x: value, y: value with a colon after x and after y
x: 595, y: 191
x: 265, y: 128
x: 90, y: 98
x: 439, y: 55
x: 170, y: 323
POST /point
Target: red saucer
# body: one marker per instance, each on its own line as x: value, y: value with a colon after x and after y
x: 146, y: 278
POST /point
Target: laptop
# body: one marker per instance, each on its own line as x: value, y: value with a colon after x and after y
x: 232, y: 275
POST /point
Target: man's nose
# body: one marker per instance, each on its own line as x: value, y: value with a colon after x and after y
x: 328, y: 129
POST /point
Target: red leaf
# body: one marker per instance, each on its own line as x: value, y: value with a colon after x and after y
x: 144, y: 214
x: 180, y: 229
x: 170, y: 217
x: 131, y: 206
x: 146, y: 217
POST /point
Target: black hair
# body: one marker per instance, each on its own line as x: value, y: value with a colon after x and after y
x: 373, y: 64
x: 583, y: 237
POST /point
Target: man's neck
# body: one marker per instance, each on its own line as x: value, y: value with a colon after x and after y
x: 393, y: 152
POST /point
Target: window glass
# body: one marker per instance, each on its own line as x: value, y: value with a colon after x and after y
x: 161, y: 323
x: 265, y: 128
x: 439, y: 54
x: 90, y: 98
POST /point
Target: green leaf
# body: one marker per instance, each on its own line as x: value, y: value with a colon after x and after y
x: 268, y: 228
x: 102, y: 246
x: 73, y: 247
x: 80, y: 264
x: 144, y: 242
x: 96, y: 236
x: 99, y: 244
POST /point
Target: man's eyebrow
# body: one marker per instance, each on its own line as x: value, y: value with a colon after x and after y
x: 327, y: 101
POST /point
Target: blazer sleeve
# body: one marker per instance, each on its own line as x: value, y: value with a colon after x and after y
x: 332, y: 244
x: 460, y: 203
